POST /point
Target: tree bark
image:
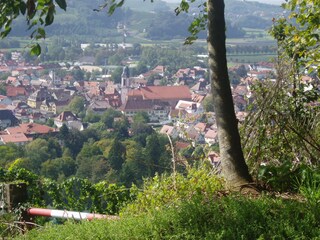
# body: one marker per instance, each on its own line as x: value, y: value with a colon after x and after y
x: 234, y: 168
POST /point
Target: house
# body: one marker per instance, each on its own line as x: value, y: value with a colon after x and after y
x: 113, y: 97
x: 36, y: 98
x: 99, y: 106
x: 16, y: 92
x: 158, y: 70
x: 157, y: 110
x: 60, y: 98
x: 189, y: 107
x: 201, y: 127
x: 48, y: 106
x: 240, y: 103
x: 18, y: 139
x: 170, y: 131
x: 181, y: 145
x: 31, y: 130
x: 69, y: 119
x: 7, y: 119
x: 170, y: 94
x: 192, y: 134
x: 211, y: 137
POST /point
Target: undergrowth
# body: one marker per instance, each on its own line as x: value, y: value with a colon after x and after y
x: 195, y: 206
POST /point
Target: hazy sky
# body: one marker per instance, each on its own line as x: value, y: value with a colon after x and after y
x: 262, y: 1
x: 271, y: 1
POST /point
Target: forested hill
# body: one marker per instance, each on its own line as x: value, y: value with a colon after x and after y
x: 155, y: 21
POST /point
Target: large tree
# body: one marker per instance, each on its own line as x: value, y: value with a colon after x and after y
x: 234, y: 167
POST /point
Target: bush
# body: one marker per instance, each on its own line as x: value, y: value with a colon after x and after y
x: 194, y: 207
x: 230, y: 217
x: 169, y: 191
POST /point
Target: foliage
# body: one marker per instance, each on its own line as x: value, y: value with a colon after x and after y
x: 187, y: 207
x: 58, y: 168
x: 116, y: 75
x: 40, y: 150
x: 309, y: 185
x: 38, y: 14
x: 171, y: 57
x: 281, y: 134
x: 8, y: 153
x: 170, y: 191
x: 208, y: 103
x: 87, y: 159
x: 76, y: 105
x: 73, y: 193
x: 80, y: 195
x: 298, y: 35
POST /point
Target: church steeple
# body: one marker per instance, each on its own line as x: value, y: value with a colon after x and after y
x: 125, y: 77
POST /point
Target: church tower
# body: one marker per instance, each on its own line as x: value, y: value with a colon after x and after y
x: 125, y: 81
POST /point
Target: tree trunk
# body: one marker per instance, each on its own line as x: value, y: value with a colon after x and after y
x: 234, y: 168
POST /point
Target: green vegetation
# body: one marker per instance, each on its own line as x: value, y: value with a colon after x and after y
x: 228, y: 218
x: 195, y: 207
x: 94, y: 169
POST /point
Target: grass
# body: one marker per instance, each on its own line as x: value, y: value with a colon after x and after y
x: 230, y: 217
x: 195, y: 206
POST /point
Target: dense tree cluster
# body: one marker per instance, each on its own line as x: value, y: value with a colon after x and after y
x: 104, y: 151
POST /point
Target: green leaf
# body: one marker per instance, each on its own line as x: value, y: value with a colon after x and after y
x: 49, y: 18
x: 5, y: 32
x: 62, y: 4
x: 23, y: 7
x: 31, y: 8
x: 36, y: 50
x: 41, y: 32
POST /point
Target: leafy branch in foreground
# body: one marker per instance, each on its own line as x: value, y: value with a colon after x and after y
x: 299, y: 34
x: 38, y: 14
x: 198, y: 24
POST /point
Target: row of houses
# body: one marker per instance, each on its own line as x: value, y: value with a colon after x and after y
x: 12, y: 131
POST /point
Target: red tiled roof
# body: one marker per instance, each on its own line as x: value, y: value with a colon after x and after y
x: 201, y: 126
x: 161, y: 92
x: 240, y: 90
x: 211, y: 134
x: 14, y: 138
x: 30, y: 128
x: 181, y: 145
x: 16, y: 91
x: 166, y: 129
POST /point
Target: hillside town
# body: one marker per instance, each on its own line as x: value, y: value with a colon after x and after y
x: 31, y: 99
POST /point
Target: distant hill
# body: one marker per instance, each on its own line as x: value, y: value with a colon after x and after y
x: 148, y: 20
